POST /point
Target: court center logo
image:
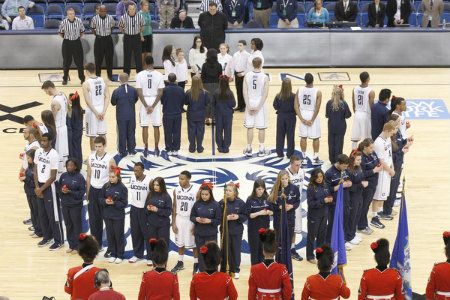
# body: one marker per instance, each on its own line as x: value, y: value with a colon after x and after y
x: 11, y: 110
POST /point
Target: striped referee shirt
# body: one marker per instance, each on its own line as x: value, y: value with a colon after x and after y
x: 102, y: 26
x: 71, y: 30
x: 131, y: 25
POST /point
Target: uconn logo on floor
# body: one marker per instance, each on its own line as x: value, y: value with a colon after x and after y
x: 218, y: 170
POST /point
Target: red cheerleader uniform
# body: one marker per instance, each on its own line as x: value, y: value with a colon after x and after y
x: 381, y: 285
x: 438, y: 287
x: 159, y: 284
x: 326, y: 287
x: 214, y: 286
x: 80, y: 282
x: 269, y: 280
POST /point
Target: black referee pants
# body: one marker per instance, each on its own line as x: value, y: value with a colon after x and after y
x: 72, y: 49
x: 239, y: 89
x: 132, y: 45
x: 103, y: 48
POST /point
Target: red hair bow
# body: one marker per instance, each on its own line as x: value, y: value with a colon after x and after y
x: 262, y: 231
x: 203, y: 249
x: 35, y: 125
x: 207, y: 184
x: 354, y: 151
x: 74, y: 96
x: 319, y: 250
x: 446, y: 234
x: 82, y: 236
x: 374, y: 245
x: 237, y: 185
x: 152, y: 241
x: 116, y: 171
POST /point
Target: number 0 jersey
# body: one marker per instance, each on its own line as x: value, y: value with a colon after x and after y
x: 99, y: 169
x: 150, y: 82
x: 139, y: 191
x: 185, y: 199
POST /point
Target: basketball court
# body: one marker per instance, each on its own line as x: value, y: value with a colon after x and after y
x: 29, y: 272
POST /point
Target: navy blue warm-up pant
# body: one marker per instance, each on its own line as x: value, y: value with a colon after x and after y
x: 172, y: 132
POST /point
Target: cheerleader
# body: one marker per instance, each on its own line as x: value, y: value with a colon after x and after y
x: 286, y: 118
x: 318, y: 196
x: 206, y: 215
x: 80, y: 280
x: 325, y: 285
x: 159, y: 210
x: 181, y: 68
x: 438, y: 287
x: 259, y: 217
x: 269, y: 279
x: 114, y: 198
x: 284, y: 190
x: 225, y: 59
x: 381, y: 282
x: 356, y: 176
x: 210, y: 283
x: 159, y: 283
x: 72, y: 188
x: 76, y: 125
x: 168, y: 61
x: 231, y: 232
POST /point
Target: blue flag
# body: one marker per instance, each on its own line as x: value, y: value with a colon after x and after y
x: 285, y: 240
x: 400, y: 254
x: 337, y: 235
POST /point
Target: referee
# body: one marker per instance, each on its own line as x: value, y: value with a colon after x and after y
x: 102, y: 25
x: 71, y: 29
x: 132, y: 25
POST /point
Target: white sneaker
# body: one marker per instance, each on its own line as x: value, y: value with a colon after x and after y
x: 134, y: 259
x: 358, y: 238
x: 175, y: 153
x: 149, y: 263
x: 170, y: 153
x: 354, y: 241
x: 118, y: 260
x: 111, y: 260
x: 397, y: 203
x: 236, y: 276
x: 348, y: 246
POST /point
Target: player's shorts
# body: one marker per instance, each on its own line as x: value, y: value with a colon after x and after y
x: 362, y: 127
x: 298, y: 220
x: 94, y: 126
x: 258, y: 120
x: 383, y: 186
x: 62, y: 147
x: 154, y: 118
x: 313, y: 131
x: 185, y: 237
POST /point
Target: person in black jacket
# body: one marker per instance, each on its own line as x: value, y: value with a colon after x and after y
x: 336, y: 112
x: 206, y: 216
x: 318, y: 196
x: 398, y: 15
x: 114, y: 198
x: 212, y: 26
x: 72, y: 188
x: 234, y: 10
x: 234, y: 215
x: 259, y: 217
x: 182, y: 21
x: 223, y: 106
x: 286, y: 118
x: 211, y: 71
x: 346, y: 10
x: 159, y: 210
x: 376, y: 13
x: 75, y: 123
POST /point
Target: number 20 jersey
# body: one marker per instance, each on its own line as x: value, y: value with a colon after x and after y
x: 99, y: 169
x: 139, y: 191
x: 185, y: 199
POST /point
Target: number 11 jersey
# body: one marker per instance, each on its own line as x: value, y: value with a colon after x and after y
x: 139, y: 191
x: 99, y: 169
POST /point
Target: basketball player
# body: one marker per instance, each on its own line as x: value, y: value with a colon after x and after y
x: 308, y: 100
x: 150, y: 85
x: 46, y: 161
x: 99, y: 165
x: 31, y: 142
x: 184, y: 197
x: 296, y: 175
x: 139, y: 188
x: 96, y: 96
x: 362, y: 99
x: 59, y: 110
x: 256, y: 89
x: 383, y: 149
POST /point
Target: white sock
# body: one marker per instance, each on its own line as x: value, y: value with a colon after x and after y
x: 261, y: 147
x: 316, y: 155
x: 180, y: 257
x: 293, y: 246
x: 195, y: 260
x: 374, y: 214
x: 249, y: 146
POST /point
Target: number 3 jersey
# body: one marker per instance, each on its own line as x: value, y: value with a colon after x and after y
x: 185, y: 199
x: 139, y: 191
x: 99, y: 169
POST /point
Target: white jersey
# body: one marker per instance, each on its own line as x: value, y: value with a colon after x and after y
x: 402, y: 124
x: 149, y: 82
x: 99, y: 169
x: 383, y: 149
x: 185, y: 199
x: 307, y: 97
x: 255, y: 86
x: 139, y: 191
x: 361, y: 95
x: 29, y: 146
x: 61, y: 115
x: 45, y: 162
x: 297, y: 178
x: 97, y: 92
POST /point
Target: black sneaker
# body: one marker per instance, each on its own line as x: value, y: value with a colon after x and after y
x: 317, y: 161
x: 178, y: 267
x: 27, y: 222
x: 55, y: 246
x: 64, y: 82
x: 295, y: 255
x: 44, y: 242
x: 376, y: 223
x: 384, y: 216
x: 196, y: 269
x: 107, y: 254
